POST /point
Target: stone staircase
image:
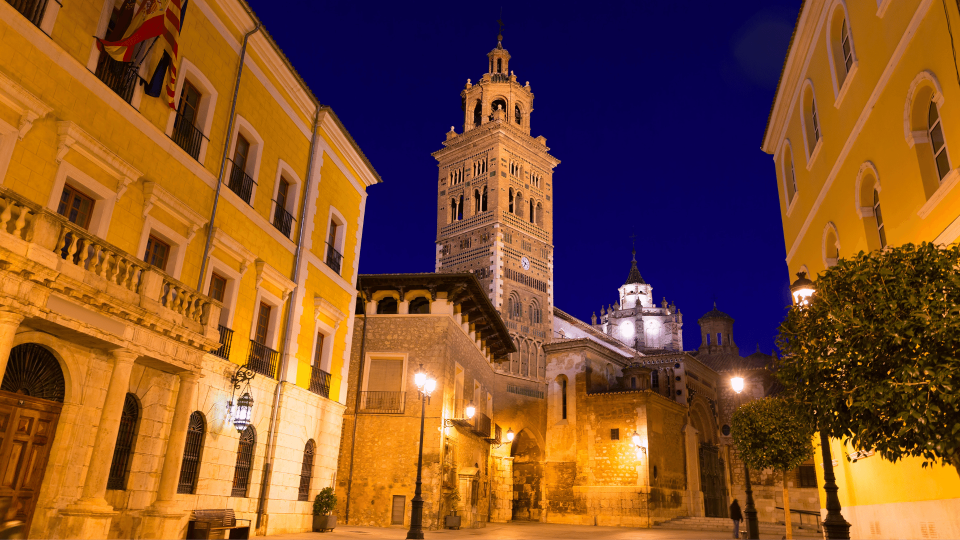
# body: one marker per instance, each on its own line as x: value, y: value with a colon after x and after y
x: 724, y: 524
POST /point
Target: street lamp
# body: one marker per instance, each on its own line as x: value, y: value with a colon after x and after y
x: 750, y: 510
x: 470, y: 410
x: 425, y: 386
x: 635, y: 439
x: 833, y: 525
x: 510, y: 435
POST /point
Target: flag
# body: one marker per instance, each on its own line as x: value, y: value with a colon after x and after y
x: 149, y: 22
x: 170, y: 38
x: 155, y: 87
x: 124, y: 17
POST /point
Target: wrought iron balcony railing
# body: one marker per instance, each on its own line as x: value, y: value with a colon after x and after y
x: 121, y: 77
x: 320, y: 382
x: 334, y: 258
x: 282, y: 220
x: 481, y: 425
x: 263, y: 359
x: 382, y: 402
x: 240, y: 182
x: 31, y: 9
x: 226, y: 339
x: 187, y: 136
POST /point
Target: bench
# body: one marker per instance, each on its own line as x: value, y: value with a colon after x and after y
x: 207, y: 524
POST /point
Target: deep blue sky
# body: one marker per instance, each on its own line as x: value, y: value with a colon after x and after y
x: 655, y: 109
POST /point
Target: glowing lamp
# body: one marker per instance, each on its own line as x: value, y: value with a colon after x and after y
x: 636, y: 439
x: 429, y: 387
x: 241, y: 411
x: 470, y: 410
x: 737, y: 384
x: 420, y: 379
x: 802, y: 289
x: 510, y: 435
x: 627, y: 330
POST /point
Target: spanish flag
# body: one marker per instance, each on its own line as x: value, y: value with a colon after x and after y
x: 169, y: 39
x: 149, y: 22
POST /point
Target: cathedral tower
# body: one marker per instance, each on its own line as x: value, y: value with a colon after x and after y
x: 495, y: 208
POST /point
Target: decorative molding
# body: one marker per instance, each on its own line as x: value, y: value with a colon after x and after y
x: 816, y: 152
x: 274, y: 277
x: 326, y: 307
x: 919, y: 136
x: 154, y: 195
x: 342, y: 144
x: 863, y: 210
x: 233, y: 248
x: 847, y: 81
x: 28, y: 106
x: 71, y: 136
x: 946, y: 186
x: 882, y: 6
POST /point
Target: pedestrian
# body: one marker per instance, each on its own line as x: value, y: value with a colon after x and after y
x: 736, y: 516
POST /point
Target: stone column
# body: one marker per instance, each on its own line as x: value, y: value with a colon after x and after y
x: 694, y: 495
x: 9, y: 322
x: 90, y: 516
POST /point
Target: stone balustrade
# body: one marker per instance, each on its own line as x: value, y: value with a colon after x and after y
x: 84, y: 250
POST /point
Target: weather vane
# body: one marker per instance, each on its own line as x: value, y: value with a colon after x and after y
x: 500, y: 23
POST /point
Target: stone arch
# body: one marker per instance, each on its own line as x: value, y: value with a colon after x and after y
x: 68, y: 360
x: 527, y: 455
x: 33, y: 370
x: 838, y: 23
x: 701, y: 419
x: 830, y: 246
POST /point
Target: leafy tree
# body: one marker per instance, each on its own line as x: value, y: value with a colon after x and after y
x: 874, y: 355
x: 324, y: 502
x: 772, y: 433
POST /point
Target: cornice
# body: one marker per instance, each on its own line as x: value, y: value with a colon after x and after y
x: 71, y: 136
x: 154, y: 195
x: 28, y: 106
x: 274, y: 277
x: 498, y: 128
x: 233, y: 248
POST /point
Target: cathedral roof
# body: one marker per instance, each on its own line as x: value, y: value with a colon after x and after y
x: 716, y: 314
x: 634, y: 277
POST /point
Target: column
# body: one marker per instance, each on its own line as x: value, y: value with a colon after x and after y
x: 9, y: 322
x: 95, y: 485
x: 173, y: 458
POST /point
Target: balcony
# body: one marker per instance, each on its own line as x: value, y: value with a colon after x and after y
x: 240, y: 182
x: 320, y: 382
x: 121, y: 77
x: 33, y: 10
x: 481, y: 425
x: 263, y: 359
x: 187, y: 136
x: 282, y: 220
x: 334, y: 258
x: 226, y: 339
x: 382, y: 402
x: 497, y: 435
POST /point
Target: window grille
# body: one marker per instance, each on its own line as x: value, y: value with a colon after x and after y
x: 306, y: 473
x: 615, y: 434
x: 807, y: 475
x: 125, y: 439
x: 245, y: 451
x: 32, y: 370
x: 190, y: 467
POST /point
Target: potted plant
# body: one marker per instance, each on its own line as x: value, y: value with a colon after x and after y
x: 453, y: 520
x: 323, y: 518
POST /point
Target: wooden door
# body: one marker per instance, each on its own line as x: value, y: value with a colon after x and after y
x: 27, y: 427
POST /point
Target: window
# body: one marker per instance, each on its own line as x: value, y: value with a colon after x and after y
x: 186, y: 133
x: 563, y: 399
x: 536, y: 315
x: 879, y: 218
x: 387, y: 306
x: 846, y: 46
x: 218, y: 286
x: 514, y: 306
x: 807, y: 474
x: 533, y: 213
x: 282, y: 219
x: 789, y: 173
x: 476, y: 201
x: 511, y: 199
x: 815, y: 121
x: 810, y: 123
x: 240, y: 182
x: 419, y: 306
x: 75, y: 206
x: 383, y: 386
x: 334, y: 246
x: 708, y: 339
x: 831, y: 245
x: 263, y: 323
x: 126, y: 436
x: 937, y: 141
x: 517, y: 117
x: 245, y: 454
x: 460, y: 209
x: 453, y: 210
x: 483, y: 200
x: 190, y: 466
x: 499, y: 65
x: 477, y: 114
x: 398, y: 510
x: 241, y: 152
x: 655, y: 379
x: 157, y: 252
x: 615, y: 434
x: 719, y: 341
x: 306, y: 471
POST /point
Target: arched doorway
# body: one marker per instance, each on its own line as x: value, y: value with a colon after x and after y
x: 527, y: 475
x: 712, y: 481
x: 31, y: 396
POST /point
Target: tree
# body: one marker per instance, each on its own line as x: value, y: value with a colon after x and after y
x: 874, y: 354
x: 772, y: 433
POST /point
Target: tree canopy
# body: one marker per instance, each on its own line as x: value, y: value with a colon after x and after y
x: 874, y: 355
x: 770, y: 433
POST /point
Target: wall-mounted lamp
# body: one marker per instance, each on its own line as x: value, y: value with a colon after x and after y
x: 241, y: 410
x: 641, y: 450
x: 510, y: 435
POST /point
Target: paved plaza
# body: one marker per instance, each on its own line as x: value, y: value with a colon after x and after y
x: 505, y: 531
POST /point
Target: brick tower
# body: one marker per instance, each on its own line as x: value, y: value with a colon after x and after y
x: 495, y: 208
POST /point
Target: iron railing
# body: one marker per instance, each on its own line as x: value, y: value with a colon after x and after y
x: 240, y: 182
x: 282, y: 220
x: 31, y: 9
x: 334, y: 258
x: 320, y: 382
x: 382, y: 402
x: 187, y: 136
x: 263, y: 359
x: 481, y: 424
x: 121, y: 77
x: 226, y: 339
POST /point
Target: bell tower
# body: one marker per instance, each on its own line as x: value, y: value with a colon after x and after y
x: 495, y: 208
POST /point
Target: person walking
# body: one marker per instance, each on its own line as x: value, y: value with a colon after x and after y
x: 737, y: 516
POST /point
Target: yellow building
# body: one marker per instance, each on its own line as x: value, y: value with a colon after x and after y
x: 146, y: 254
x: 863, y: 121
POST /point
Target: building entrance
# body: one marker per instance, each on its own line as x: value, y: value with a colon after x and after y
x: 527, y: 475
x: 712, y: 481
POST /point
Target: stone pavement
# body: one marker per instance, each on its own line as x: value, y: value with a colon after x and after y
x: 506, y: 531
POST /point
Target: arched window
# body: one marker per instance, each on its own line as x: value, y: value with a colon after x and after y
x: 840, y: 47
x: 477, y: 114
x: 879, y: 218
x: 126, y: 436
x: 387, y: 306
x: 937, y: 142
x: 517, y: 117
x: 453, y: 210
x: 476, y: 201
x: 535, y: 313
x: 533, y: 213
x: 810, y: 122
x: 499, y: 105
x: 831, y: 245
x: 789, y: 173
x: 563, y: 399
x: 846, y: 47
x: 190, y: 466
x: 460, y: 209
x: 519, y: 204
x: 483, y: 200
x: 420, y: 306
x: 539, y: 214
x: 511, y: 200
x: 525, y: 360
x: 499, y: 65
x: 245, y: 454
x: 306, y: 471
x: 655, y: 379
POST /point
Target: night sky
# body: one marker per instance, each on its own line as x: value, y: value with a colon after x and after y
x: 656, y: 111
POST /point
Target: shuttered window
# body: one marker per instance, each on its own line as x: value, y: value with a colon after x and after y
x: 385, y: 375
x: 123, y: 451
x: 399, y: 505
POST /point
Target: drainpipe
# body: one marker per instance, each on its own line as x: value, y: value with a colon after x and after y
x: 288, y: 330
x: 356, y: 410
x: 223, y: 159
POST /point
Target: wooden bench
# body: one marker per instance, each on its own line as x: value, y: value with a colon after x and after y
x: 207, y: 524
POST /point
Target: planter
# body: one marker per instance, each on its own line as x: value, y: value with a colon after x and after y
x: 324, y: 523
x: 452, y: 522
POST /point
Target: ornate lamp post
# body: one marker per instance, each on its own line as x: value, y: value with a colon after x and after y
x: 750, y: 510
x: 834, y: 525
x: 425, y: 387
x: 241, y: 409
